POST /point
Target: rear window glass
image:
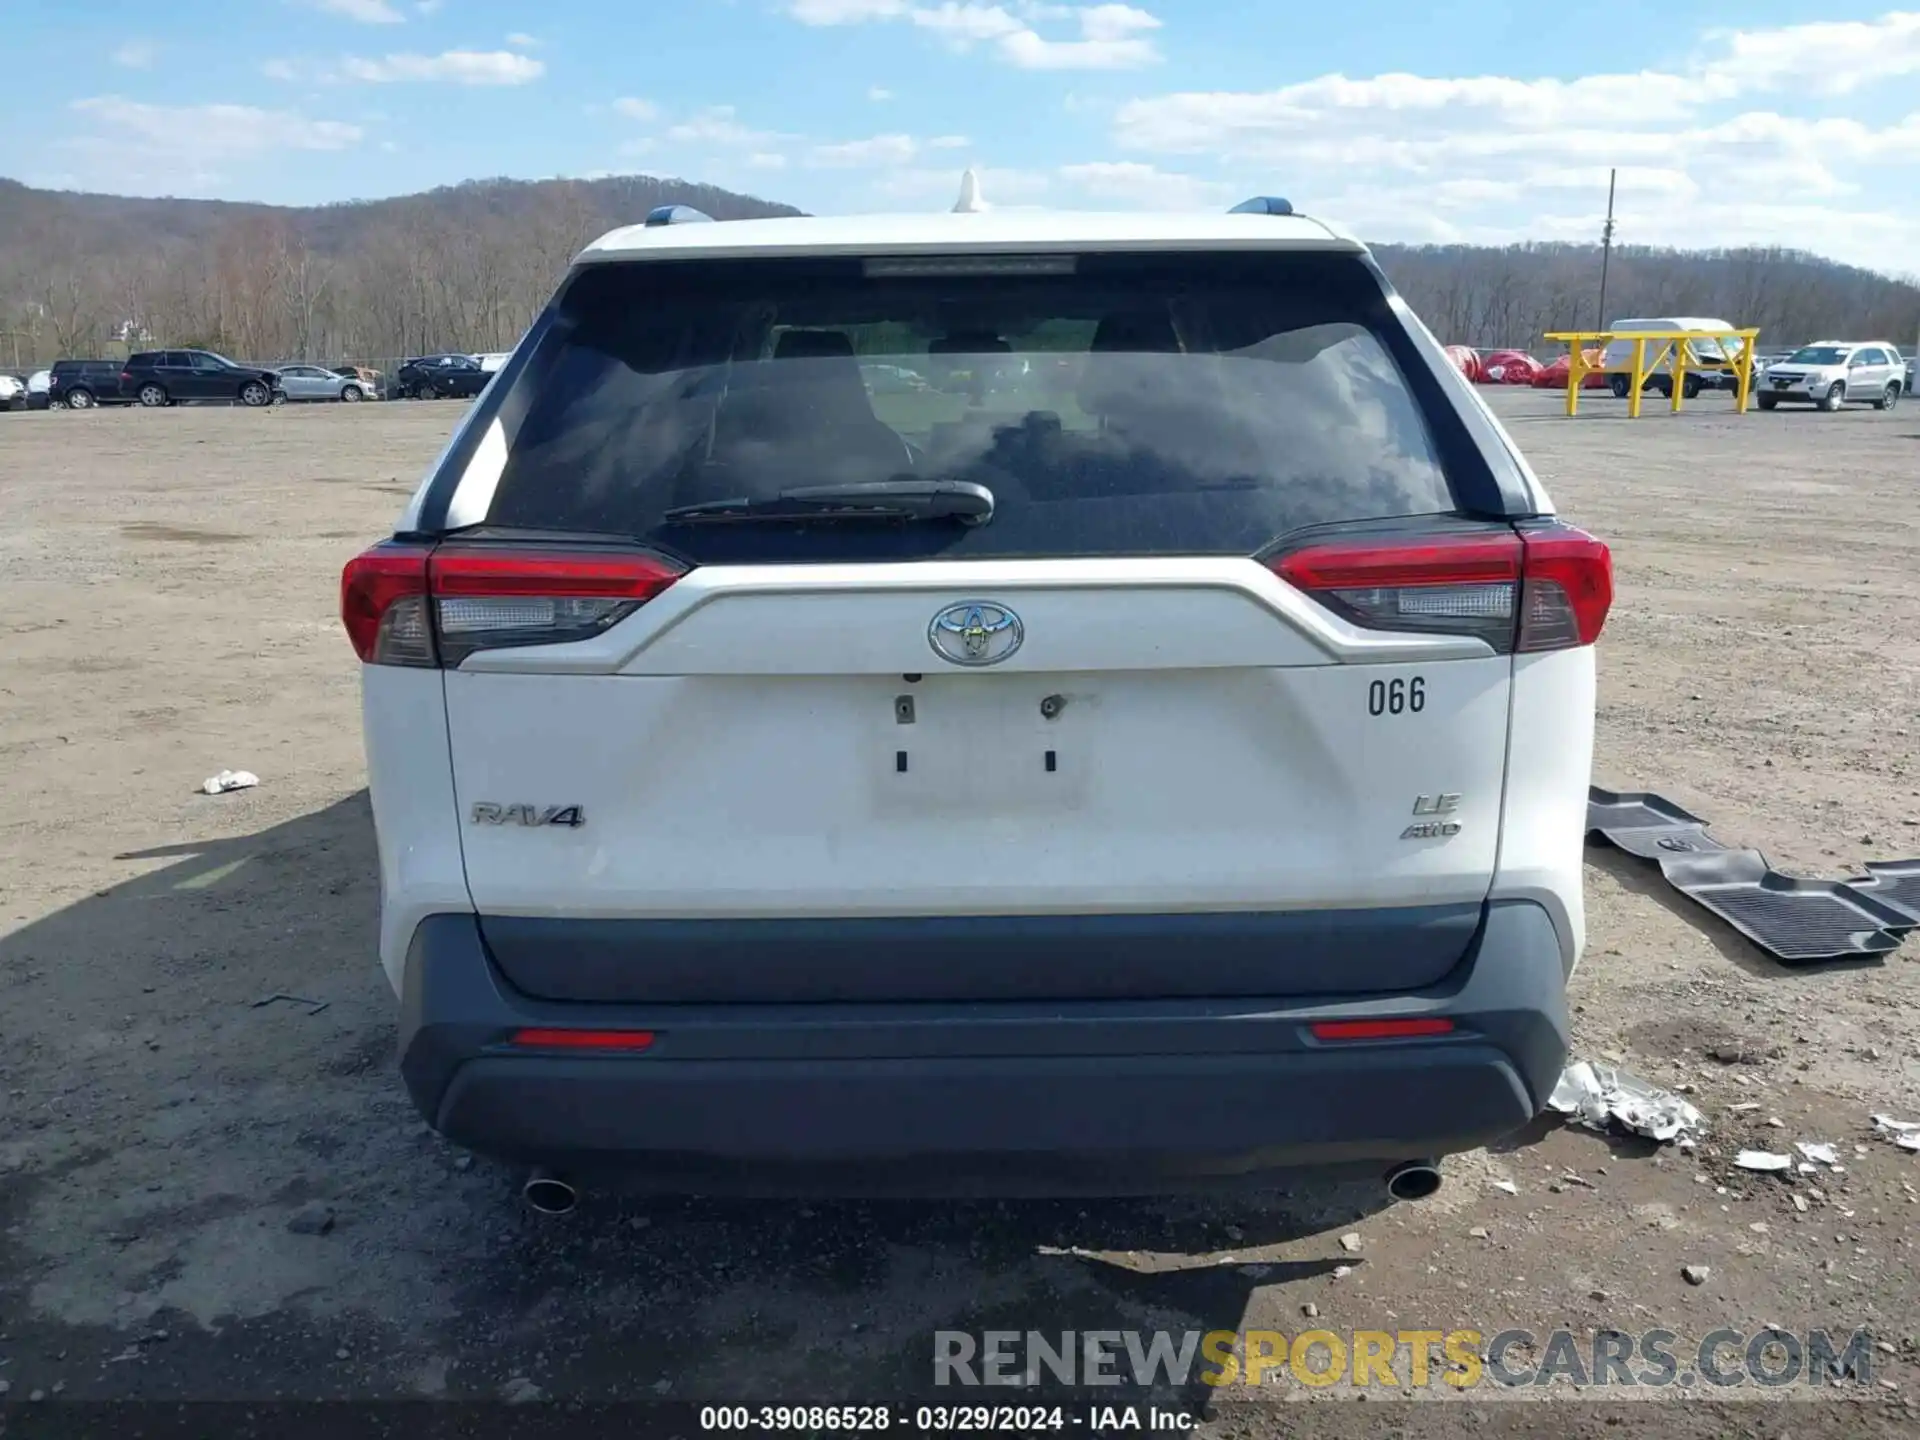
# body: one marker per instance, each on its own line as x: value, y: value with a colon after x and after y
x: 1114, y: 405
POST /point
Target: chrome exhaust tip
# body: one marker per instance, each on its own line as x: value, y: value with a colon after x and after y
x: 1415, y: 1180
x: 549, y: 1194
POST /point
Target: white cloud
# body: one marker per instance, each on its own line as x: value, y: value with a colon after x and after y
x: 279, y: 70
x: 1830, y: 57
x: 966, y: 23
x: 1136, y: 186
x: 1028, y: 51
x: 879, y: 93
x: 1827, y: 56
x: 716, y: 125
x: 185, y: 149
x: 846, y: 12
x: 459, y: 67
x: 1115, y: 22
x: 767, y: 160
x: 217, y: 129
x: 1110, y: 37
x: 635, y: 108
x: 136, y: 55
x: 520, y: 40
x: 879, y: 150
x: 367, y: 12
x: 1203, y: 121
x: 427, y: 7
x: 1702, y: 157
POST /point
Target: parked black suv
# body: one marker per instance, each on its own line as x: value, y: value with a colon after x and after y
x: 432, y: 376
x: 83, y: 384
x: 168, y: 377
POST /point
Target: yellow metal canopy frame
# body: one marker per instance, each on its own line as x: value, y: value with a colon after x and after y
x: 1654, y: 351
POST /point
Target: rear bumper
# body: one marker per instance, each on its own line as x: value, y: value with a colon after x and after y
x: 1116, y: 1095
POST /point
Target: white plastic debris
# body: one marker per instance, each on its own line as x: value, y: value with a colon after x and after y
x: 229, y: 780
x: 1762, y: 1160
x: 1506, y: 1185
x: 1596, y: 1094
x: 1904, y: 1133
x: 1825, y: 1154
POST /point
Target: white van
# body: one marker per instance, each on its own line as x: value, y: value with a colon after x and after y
x: 1618, y: 360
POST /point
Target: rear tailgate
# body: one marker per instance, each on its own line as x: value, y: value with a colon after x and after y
x: 781, y: 747
x: 1215, y: 705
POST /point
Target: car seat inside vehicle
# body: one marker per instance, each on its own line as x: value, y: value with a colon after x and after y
x: 803, y: 417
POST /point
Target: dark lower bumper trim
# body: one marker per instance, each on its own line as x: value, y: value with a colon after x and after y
x: 980, y: 957
x: 1286, y: 1109
x: 1168, y: 1086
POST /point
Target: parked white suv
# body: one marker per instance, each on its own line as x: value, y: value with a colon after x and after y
x: 1832, y: 373
x: 1167, y: 766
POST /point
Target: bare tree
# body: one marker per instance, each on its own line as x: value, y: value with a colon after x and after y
x: 71, y: 303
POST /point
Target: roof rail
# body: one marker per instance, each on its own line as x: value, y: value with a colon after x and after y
x: 1263, y: 205
x: 676, y: 215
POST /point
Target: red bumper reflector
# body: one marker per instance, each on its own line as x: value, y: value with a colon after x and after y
x: 1378, y: 1029
x: 584, y: 1039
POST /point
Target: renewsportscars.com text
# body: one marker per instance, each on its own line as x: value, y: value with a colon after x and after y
x: 1464, y: 1359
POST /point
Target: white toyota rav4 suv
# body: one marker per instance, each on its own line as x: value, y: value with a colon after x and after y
x: 1155, y: 752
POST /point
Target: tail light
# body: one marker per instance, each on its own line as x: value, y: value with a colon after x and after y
x: 1547, y: 588
x: 425, y: 606
x: 541, y: 1039
x: 1409, y: 1028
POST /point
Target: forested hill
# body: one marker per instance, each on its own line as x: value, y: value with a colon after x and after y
x: 466, y: 266
x: 1474, y: 295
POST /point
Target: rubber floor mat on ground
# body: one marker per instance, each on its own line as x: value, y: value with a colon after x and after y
x: 1894, y: 883
x: 1644, y: 824
x: 1797, y: 920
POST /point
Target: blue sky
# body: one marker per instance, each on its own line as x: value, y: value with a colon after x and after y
x: 1407, y: 119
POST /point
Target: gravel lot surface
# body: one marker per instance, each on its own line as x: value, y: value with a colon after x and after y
x: 168, y: 609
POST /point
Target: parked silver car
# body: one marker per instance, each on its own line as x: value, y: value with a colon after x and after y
x: 311, y: 382
x: 1833, y: 373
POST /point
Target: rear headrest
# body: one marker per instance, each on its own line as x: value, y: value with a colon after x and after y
x: 1136, y: 330
x: 813, y: 345
x: 970, y: 342
x: 1121, y: 373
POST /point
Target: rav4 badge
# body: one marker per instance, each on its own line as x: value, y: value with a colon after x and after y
x: 487, y: 813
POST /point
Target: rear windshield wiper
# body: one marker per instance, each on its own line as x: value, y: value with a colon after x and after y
x: 902, y: 499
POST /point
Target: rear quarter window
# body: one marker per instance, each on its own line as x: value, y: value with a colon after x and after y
x: 1165, y: 404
